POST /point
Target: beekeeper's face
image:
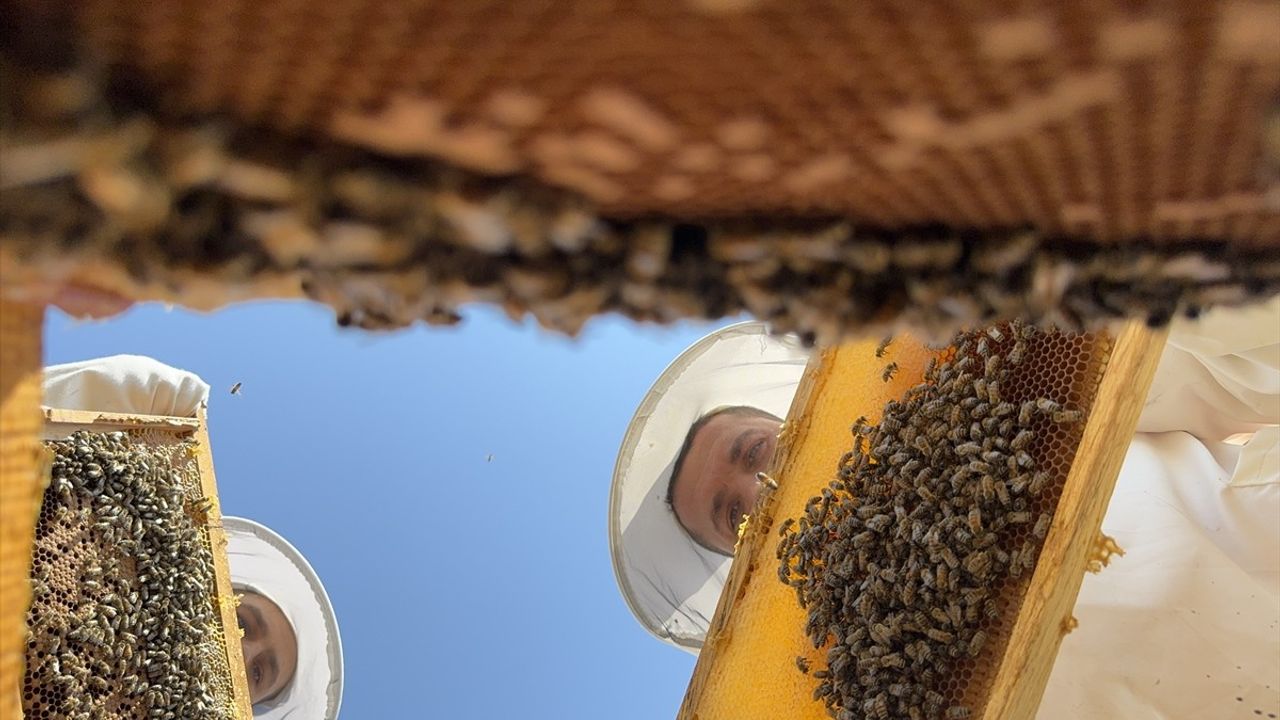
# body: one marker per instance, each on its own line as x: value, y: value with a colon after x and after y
x: 269, y: 645
x: 714, y: 484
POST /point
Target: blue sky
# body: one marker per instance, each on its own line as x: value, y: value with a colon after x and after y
x: 465, y: 588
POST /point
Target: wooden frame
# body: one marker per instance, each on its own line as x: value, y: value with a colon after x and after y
x: 816, y: 434
x: 60, y: 423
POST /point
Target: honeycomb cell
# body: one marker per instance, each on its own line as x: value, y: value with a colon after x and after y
x: 84, y: 583
x: 925, y: 542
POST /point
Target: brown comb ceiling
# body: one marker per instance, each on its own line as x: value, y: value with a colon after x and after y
x: 1095, y: 124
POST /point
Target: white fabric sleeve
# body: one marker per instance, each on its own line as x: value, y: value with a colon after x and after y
x: 1183, y: 626
x: 124, y: 384
x: 1219, y: 375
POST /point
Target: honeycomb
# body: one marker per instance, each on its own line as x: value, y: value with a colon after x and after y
x: 126, y: 620
x: 814, y: 557
x: 767, y: 629
x: 834, y: 168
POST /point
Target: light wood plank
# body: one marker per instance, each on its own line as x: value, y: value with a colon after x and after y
x: 222, y: 572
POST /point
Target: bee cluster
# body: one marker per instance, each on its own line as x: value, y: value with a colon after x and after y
x: 124, y: 622
x: 206, y: 212
x: 903, y: 560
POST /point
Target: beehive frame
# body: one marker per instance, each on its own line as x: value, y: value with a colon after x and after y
x: 816, y: 433
x: 61, y: 423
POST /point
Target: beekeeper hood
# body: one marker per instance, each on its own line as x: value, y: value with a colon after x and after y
x: 670, y: 582
x: 265, y: 563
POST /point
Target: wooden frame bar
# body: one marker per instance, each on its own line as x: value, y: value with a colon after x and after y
x: 60, y: 423
x: 815, y: 435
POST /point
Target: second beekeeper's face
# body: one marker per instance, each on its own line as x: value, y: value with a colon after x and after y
x: 270, y: 648
x: 715, y: 481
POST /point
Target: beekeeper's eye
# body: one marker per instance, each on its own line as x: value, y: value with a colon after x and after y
x: 753, y: 455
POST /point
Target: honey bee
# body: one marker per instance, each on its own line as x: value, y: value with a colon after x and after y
x: 235, y: 389
x: 884, y: 345
x: 1016, y: 354
x: 1067, y: 416
x: 859, y: 426
x: 768, y: 481
x: 1047, y: 406
x: 1038, y: 482
x: 1042, y: 526
x: 975, y: 520
x: 889, y: 371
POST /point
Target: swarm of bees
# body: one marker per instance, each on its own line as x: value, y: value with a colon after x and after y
x: 901, y: 559
x: 124, y: 619
x: 179, y: 203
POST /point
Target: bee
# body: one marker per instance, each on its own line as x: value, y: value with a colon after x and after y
x: 884, y: 345
x: 1067, y: 416
x: 1047, y: 406
x: 235, y: 389
x: 1038, y: 482
x: 978, y: 563
x: 1016, y: 354
x: 941, y: 636
x: 1042, y: 526
x: 1021, y: 440
x: 975, y: 520
x: 994, y: 333
x: 1025, y: 412
x: 889, y: 371
x: 768, y: 481
x: 949, y: 557
x: 992, y: 366
x: 940, y: 615
x: 958, y: 712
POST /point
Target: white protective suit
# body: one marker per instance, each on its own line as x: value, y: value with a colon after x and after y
x: 260, y: 559
x: 1185, y: 625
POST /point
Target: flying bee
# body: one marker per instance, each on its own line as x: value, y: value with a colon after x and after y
x: 768, y: 481
x: 235, y: 389
x: 884, y: 345
x: 889, y: 371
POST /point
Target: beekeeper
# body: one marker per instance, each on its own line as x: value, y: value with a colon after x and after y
x: 292, y: 650
x: 1185, y: 625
